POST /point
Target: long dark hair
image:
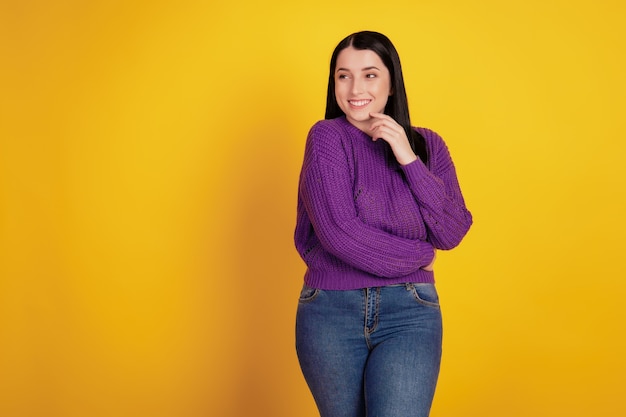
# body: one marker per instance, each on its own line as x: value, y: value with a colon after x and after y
x: 397, y: 106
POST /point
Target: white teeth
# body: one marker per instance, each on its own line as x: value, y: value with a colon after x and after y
x: 359, y: 103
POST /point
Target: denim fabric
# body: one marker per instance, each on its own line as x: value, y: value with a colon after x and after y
x: 373, y: 352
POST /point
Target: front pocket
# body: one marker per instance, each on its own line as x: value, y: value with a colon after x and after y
x: 308, y: 294
x: 425, y: 294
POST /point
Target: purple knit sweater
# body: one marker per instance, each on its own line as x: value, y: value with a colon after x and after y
x: 364, y: 220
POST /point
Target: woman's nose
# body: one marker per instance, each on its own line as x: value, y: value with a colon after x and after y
x: 357, y: 86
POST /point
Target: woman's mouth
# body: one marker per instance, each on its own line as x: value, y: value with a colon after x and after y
x: 359, y: 103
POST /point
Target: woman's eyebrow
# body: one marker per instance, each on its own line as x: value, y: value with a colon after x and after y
x: 364, y: 69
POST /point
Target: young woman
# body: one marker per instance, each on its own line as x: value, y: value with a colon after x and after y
x: 376, y: 199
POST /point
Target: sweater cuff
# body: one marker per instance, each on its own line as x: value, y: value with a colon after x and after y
x: 415, y: 172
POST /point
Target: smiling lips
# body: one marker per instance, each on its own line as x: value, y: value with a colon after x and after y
x: 359, y: 103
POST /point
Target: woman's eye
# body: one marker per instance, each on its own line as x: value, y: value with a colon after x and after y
x: 370, y: 76
x: 342, y: 76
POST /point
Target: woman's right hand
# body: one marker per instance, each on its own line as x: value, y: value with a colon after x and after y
x: 431, y: 266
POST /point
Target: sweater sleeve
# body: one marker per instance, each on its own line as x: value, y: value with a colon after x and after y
x: 327, y: 194
x: 438, y: 194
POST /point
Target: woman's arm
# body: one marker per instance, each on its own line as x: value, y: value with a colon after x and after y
x: 438, y: 194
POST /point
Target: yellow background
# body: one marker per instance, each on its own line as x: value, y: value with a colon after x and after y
x: 149, y: 154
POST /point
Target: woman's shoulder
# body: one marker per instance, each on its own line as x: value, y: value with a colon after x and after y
x: 434, y: 141
x: 328, y: 133
x: 438, y: 152
x: 331, y: 127
x: 429, y: 135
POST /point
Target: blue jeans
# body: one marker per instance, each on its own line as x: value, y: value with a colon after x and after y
x: 371, y: 352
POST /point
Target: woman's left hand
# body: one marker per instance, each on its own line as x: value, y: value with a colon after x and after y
x: 384, y: 127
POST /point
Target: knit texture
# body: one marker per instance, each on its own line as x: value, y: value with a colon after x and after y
x: 364, y: 220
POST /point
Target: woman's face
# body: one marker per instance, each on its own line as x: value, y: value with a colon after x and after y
x: 362, y: 85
